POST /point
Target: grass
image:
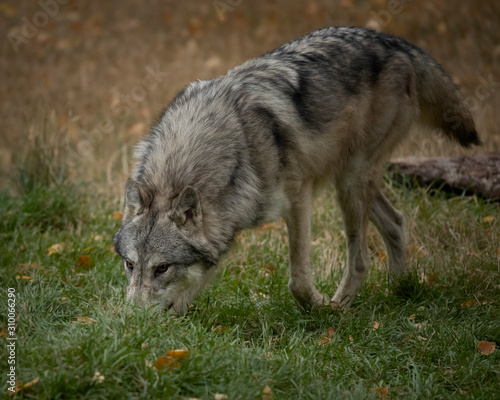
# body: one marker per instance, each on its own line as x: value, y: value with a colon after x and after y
x: 245, y: 331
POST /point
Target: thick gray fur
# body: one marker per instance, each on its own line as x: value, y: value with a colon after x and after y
x: 251, y: 146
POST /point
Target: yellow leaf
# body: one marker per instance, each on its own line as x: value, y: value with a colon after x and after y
x: 382, y: 392
x: 84, y: 261
x: 56, y: 249
x: 166, y: 362
x: 118, y: 215
x: 31, y: 383
x: 64, y: 298
x: 82, y: 320
x: 486, y: 348
x: 376, y: 325
x: 267, y: 393
x: 382, y: 256
x: 469, y: 303
x: 25, y: 277
x: 179, y: 355
x: 489, y: 218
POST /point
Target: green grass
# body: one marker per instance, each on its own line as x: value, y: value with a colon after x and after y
x: 245, y: 331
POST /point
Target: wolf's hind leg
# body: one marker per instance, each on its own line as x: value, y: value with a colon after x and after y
x: 389, y: 222
x: 301, y: 282
x: 355, y: 196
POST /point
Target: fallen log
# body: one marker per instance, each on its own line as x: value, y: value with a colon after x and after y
x: 479, y: 173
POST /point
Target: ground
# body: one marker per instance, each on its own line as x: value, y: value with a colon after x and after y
x: 83, y: 85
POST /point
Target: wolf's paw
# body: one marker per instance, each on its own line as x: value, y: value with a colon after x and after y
x: 340, y: 302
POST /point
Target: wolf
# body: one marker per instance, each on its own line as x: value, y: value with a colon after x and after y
x: 252, y: 146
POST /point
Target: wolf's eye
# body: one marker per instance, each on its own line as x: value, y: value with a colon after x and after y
x: 129, y: 265
x: 161, y: 269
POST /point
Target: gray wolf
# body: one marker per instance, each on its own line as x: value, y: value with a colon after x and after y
x: 251, y: 146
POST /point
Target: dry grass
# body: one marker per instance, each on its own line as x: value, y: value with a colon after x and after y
x: 78, y: 82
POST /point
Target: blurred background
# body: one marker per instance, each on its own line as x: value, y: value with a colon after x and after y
x: 81, y: 81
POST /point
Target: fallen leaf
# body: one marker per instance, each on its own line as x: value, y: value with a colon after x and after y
x: 144, y: 345
x: 376, y: 325
x: 118, y: 215
x: 485, y: 347
x: 31, y: 383
x: 149, y: 364
x: 84, y: 261
x: 267, y: 393
x: 489, y: 218
x: 411, y: 317
x: 64, y: 298
x: 56, y: 249
x: 351, y: 339
x: 422, y: 338
x: 220, y: 396
x: 382, y: 256
x: 431, y: 278
x: 330, y: 331
x: 167, y: 362
x: 25, y: 277
x: 98, y: 378
x: 382, y: 392
x: 82, y: 320
x: 469, y: 303
x: 179, y: 355
x: 2, y: 333
x: 98, y: 238
x: 324, y: 339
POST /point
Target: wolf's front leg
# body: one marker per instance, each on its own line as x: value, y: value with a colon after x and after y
x: 301, y: 282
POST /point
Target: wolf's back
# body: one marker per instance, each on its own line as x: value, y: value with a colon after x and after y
x: 441, y: 103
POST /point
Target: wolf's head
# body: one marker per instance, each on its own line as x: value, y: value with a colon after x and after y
x: 166, y: 255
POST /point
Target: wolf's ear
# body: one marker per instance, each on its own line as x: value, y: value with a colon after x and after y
x: 137, y: 199
x: 186, y: 212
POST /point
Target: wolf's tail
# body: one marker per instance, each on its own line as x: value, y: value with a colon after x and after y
x: 441, y: 103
